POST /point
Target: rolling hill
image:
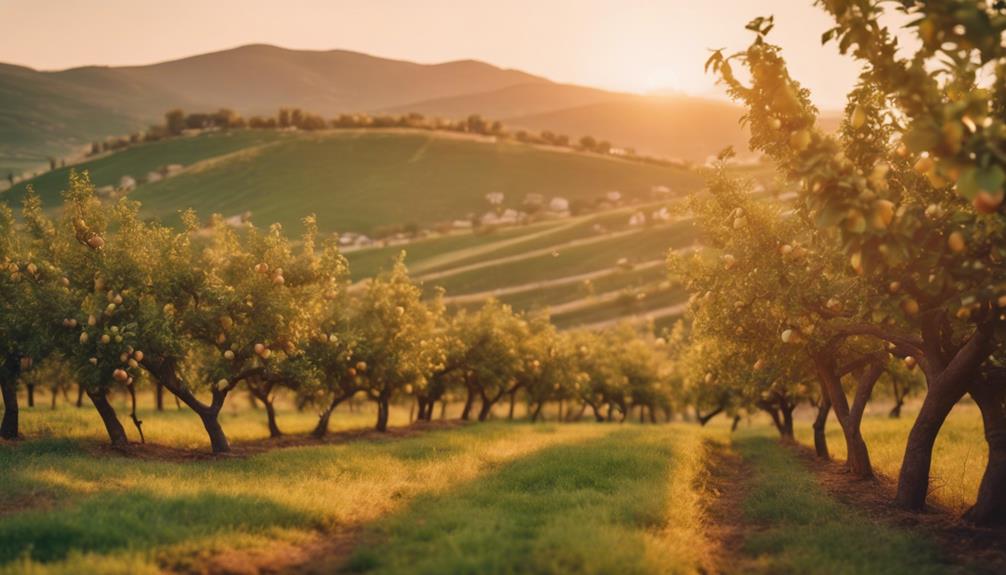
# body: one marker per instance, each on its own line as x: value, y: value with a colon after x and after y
x: 55, y: 113
x: 356, y: 180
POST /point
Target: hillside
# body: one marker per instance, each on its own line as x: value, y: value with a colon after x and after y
x: 675, y: 126
x: 357, y: 180
x: 46, y: 114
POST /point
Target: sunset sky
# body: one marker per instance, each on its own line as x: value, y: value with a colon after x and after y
x: 628, y: 45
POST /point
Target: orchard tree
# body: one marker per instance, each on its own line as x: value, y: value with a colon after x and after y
x: 491, y: 340
x: 397, y: 349
x: 911, y: 190
x: 766, y: 285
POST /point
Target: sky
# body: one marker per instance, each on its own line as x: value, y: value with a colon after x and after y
x: 626, y: 45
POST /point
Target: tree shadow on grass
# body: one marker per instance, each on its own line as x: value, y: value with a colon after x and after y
x: 137, y: 520
x: 580, y: 508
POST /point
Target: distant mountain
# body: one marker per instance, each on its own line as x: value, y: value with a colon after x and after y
x: 51, y: 113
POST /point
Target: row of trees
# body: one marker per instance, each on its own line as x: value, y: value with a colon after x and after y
x: 891, y: 260
x: 120, y: 302
x: 178, y: 121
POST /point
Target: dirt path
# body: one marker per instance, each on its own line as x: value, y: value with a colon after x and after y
x: 980, y: 550
x: 724, y: 490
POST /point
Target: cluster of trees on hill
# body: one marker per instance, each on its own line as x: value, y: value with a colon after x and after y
x: 893, y: 257
x: 118, y: 302
x: 178, y: 121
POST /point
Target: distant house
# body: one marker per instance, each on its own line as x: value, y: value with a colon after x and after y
x: 173, y: 170
x: 495, y: 198
x: 105, y: 191
x: 235, y: 221
x: 637, y: 219
x: 508, y: 216
x: 353, y: 239
x: 127, y: 183
x: 661, y: 215
x: 558, y: 205
x: 613, y: 196
x: 660, y: 190
x: 461, y: 224
x: 152, y: 177
x: 534, y: 200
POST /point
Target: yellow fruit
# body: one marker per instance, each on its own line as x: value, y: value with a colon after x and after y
x: 96, y: 242
x: 834, y: 305
x: 858, y: 118
x: 229, y: 355
x: 399, y: 310
x: 278, y: 280
x: 758, y: 365
x: 266, y: 354
x: 882, y: 215
x: 351, y: 371
x: 986, y: 203
x: 924, y: 165
x: 106, y: 339
x: 83, y: 337
x: 1001, y: 302
x: 910, y: 306
x: 93, y: 361
x: 910, y: 362
x: 361, y: 366
x: 133, y: 363
x: 894, y: 287
x: 856, y: 261
x: 120, y: 375
x: 259, y: 348
x: 800, y: 140
x: 956, y: 242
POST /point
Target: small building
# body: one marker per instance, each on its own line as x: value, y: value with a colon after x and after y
x: 495, y: 198
x: 461, y: 224
x: 173, y: 170
x: 534, y: 200
x: 661, y: 215
x: 660, y: 190
x: 127, y: 183
x: 152, y: 177
x: 558, y: 205
x: 613, y: 196
x: 637, y: 219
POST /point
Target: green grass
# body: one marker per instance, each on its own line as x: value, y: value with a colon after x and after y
x: 799, y: 528
x: 646, y: 245
x: 137, y: 161
x: 104, y: 514
x: 563, y: 293
x: 958, y: 458
x: 357, y: 181
x: 620, y: 504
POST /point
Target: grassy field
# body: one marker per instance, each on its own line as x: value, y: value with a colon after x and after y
x: 357, y: 180
x: 483, y: 498
x: 958, y: 459
x: 794, y: 526
x: 493, y: 496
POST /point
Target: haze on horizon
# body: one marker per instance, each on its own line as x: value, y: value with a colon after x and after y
x: 637, y: 46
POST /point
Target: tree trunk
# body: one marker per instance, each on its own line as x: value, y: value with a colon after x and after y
x: 270, y: 411
x: 116, y: 433
x: 159, y: 396
x: 9, y: 427
x: 443, y: 409
x: 820, y: 436
x: 736, y: 422
x: 421, y: 403
x: 469, y: 402
x: 52, y: 405
x: 80, y: 395
x: 486, y: 409
x: 383, y: 410
x: 704, y: 419
x: 513, y: 404
x: 858, y: 458
x: 321, y: 429
x: 537, y: 411
x: 597, y: 412
x: 786, y: 408
x: 211, y: 422
x: 30, y: 387
x: 990, y: 507
x: 945, y: 390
